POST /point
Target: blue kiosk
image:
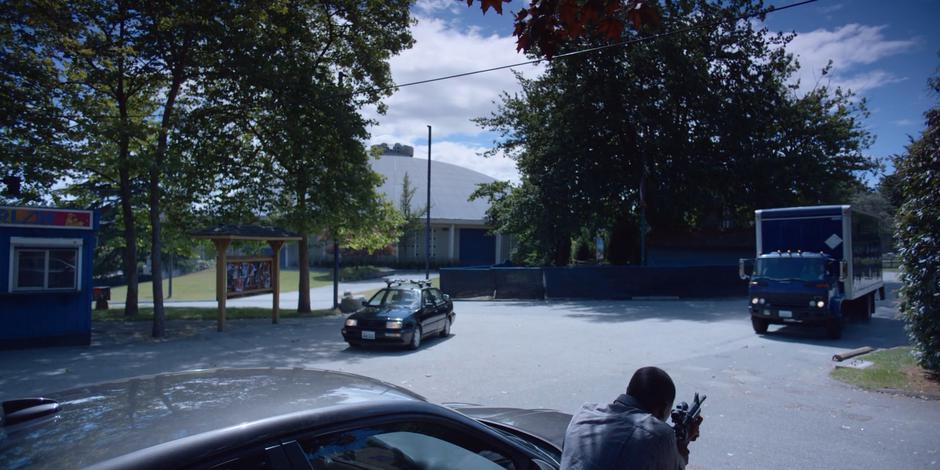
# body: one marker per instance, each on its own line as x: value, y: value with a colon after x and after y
x: 45, y: 276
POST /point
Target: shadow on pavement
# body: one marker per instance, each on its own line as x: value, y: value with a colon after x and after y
x: 879, y: 333
x: 393, y: 350
x: 620, y: 311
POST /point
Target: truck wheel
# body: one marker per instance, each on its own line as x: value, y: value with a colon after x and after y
x: 834, y: 329
x: 869, y: 307
x: 760, y: 325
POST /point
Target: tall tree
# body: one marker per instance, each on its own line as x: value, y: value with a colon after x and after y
x: 292, y: 77
x: 174, y: 31
x: 626, y: 137
x: 107, y: 88
x: 412, y: 215
x: 33, y: 126
x: 918, y: 238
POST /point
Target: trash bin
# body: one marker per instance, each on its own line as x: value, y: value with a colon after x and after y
x: 101, y: 294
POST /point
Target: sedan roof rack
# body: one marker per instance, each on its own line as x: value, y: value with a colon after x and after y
x: 414, y: 282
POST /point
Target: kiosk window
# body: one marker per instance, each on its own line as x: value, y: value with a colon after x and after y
x: 37, y: 268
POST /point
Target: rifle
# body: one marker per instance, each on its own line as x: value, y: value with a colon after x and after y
x: 683, y: 416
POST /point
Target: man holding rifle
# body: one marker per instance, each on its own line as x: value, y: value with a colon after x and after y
x: 631, y: 432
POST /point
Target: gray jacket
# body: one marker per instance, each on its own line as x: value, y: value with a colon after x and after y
x: 619, y: 436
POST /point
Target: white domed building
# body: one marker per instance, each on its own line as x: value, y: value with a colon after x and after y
x: 459, y: 235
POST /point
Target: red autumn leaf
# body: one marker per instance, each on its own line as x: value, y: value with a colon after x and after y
x: 494, y: 4
x: 642, y: 13
x: 611, y: 28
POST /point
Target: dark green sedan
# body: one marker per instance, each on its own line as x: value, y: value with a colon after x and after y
x: 403, y: 313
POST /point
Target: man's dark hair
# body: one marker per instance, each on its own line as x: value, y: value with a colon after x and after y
x: 653, y: 388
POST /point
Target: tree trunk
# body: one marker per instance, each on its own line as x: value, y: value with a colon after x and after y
x: 562, y: 252
x: 130, y: 233
x: 156, y: 245
x: 127, y: 208
x: 156, y: 250
x: 303, y: 300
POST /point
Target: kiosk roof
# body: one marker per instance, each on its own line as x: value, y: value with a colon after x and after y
x: 245, y: 232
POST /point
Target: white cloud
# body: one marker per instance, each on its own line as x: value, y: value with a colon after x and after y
x: 442, y: 49
x: 832, y: 8
x: 448, y: 105
x: 853, y: 49
x: 431, y: 7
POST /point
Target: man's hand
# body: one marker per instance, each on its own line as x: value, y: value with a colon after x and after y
x: 693, y: 433
x: 693, y: 427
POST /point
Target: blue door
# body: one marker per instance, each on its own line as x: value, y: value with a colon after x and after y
x: 477, y: 247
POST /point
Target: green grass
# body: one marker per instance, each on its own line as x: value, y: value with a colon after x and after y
x: 887, y: 372
x: 203, y: 314
x: 200, y: 285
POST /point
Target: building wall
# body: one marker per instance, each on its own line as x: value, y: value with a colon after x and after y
x: 37, y: 318
x: 409, y: 251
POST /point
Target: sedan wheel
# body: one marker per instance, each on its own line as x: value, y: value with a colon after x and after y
x: 415, y: 338
x: 446, y: 331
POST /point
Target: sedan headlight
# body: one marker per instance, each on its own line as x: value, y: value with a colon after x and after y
x: 351, y: 322
x: 820, y: 304
x: 754, y: 301
x: 393, y: 325
x: 762, y: 301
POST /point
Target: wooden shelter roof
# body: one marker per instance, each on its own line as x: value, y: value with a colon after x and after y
x: 246, y: 232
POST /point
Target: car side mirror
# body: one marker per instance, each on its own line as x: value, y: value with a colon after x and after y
x: 446, y: 297
x: 745, y: 268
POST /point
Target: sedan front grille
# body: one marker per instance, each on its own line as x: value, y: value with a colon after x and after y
x: 372, y: 324
x: 786, y: 300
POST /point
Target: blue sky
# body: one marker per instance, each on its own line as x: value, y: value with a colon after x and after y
x: 885, y: 51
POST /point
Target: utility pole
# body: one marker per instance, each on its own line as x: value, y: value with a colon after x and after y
x: 172, y: 259
x: 427, y: 228
x: 336, y: 246
x: 335, y: 273
x: 643, y: 227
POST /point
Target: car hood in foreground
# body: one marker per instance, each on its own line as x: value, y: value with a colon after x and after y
x: 548, y: 425
x: 102, y: 421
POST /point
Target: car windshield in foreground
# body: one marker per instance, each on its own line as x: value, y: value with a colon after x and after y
x: 803, y: 269
x: 386, y: 296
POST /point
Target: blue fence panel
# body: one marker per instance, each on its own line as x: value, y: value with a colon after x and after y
x: 624, y: 282
x: 594, y: 282
x: 467, y: 282
x: 518, y: 283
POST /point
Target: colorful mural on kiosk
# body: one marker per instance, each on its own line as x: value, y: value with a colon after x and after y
x: 247, y: 276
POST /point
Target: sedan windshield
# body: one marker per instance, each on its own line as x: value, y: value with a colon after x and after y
x: 803, y: 269
x: 394, y: 297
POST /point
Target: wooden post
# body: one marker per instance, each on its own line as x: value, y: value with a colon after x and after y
x: 276, y: 278
x: 221, y: 281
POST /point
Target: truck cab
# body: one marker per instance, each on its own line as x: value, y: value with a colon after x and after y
x: 795, y: 288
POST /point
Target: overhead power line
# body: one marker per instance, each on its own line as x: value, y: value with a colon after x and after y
x: 654, y: 37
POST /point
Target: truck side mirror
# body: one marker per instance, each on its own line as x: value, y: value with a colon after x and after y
x: 843, y: 271
x: 745, y: 268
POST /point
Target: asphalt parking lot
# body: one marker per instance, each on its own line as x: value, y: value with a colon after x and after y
x: 771, y: 403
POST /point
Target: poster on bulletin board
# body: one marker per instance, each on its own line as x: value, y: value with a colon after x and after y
x: 248, y: 276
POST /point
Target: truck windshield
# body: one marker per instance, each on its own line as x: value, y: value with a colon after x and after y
x: 790, y: 268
